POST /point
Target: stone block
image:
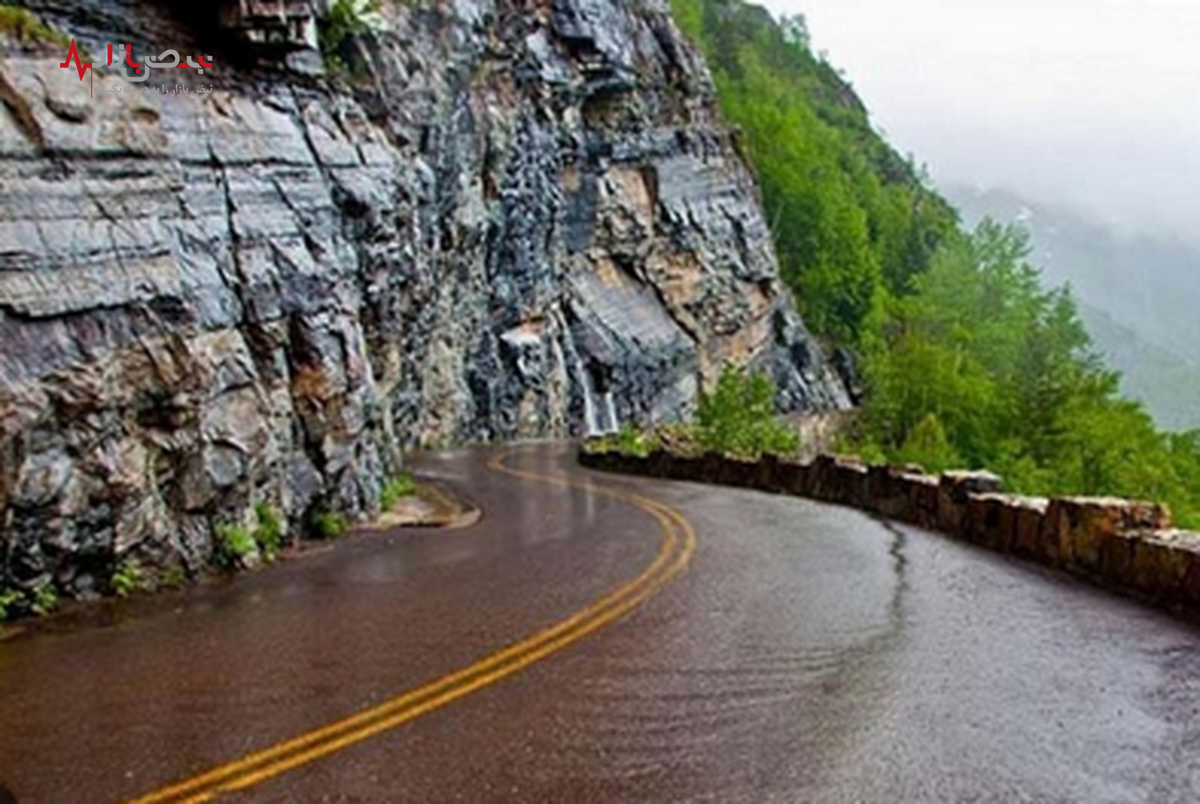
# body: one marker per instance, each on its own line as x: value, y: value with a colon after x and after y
x: 857, y: 482
x: 922, y: 491
x: 954, y: 489
x: 1189, y: 590
x: 690, y: 468
x: 824, y: 480
x: 711, y: 468
x: 1029, y: 515
x: 1077, y: 528
x: 887, y: 496
x: 1162, y: 560
x: 1117, y: 559
x: 964, y: 482
x: 797, y: 479
x: 773, y: 474
x: 982, y: 523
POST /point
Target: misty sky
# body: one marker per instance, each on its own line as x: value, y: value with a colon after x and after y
x: 1095, y: 103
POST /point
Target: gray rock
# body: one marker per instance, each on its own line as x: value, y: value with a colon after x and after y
x: 514, y: 226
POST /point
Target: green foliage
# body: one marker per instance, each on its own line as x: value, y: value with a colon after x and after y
x: 738, y: 417
x: 41, y: 601
x: 967, y: 358
x: 853, y: 221
x: 44, y: 599
x: 985, y: 368
x: 329, y: 525
x: 269, y: 533
x: 9, y: 600
x: 399, y: 487
x: 634, y: 441
x: 23, y: 27
x: 344, y: 19
x: 629, y: 440
x: 174, y: 577
x: 928, y: 446
x: 126, y: 579
x: 234, y: 544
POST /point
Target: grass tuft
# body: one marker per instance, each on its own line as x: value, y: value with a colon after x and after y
x: 127, y: 579
x: 401, y: 486
x: 23, y: 27
x: 234, y: 544
x: 329, y: 525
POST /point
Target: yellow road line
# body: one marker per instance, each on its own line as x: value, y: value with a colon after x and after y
x: 673, y: 556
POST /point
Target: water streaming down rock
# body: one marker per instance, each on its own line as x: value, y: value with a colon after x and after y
x: 265, y: 293
x: 600, y: 412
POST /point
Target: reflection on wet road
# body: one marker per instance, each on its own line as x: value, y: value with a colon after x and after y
x: 809, y: 654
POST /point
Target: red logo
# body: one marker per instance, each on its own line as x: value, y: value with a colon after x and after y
x: 82, y: 66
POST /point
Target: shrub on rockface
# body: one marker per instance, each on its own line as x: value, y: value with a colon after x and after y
x: 10, y: 600
x: 738, y: 417
x: 270, y: 531
x: 346, y: 18
x: 21, y: 26
x: 126, y: 579
x: 328, y: 525
x: 233, y: 547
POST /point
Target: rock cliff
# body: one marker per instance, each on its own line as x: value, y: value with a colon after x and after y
x: 515, y: 220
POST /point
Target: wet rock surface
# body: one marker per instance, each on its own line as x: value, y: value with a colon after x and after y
x: 515, y: 217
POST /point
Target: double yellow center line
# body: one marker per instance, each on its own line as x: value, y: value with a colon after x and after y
x: 679, y: 542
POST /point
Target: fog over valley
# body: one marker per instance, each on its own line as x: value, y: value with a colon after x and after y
x: 1090, y: 104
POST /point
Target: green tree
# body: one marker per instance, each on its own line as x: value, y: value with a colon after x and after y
x: 852, y: 220
x: 739, y: 417
x: 966, y: 356
x: 928, y: 446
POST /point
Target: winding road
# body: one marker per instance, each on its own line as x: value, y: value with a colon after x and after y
x: 598, y: 638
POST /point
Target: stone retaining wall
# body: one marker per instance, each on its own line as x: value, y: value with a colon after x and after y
x: 1120, y: 544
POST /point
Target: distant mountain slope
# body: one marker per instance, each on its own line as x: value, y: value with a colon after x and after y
x: 1149, y: 284
x: 1138, y: 296
x: 1166, y: 383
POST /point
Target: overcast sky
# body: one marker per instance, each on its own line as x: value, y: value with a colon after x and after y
x: 1095, y: 103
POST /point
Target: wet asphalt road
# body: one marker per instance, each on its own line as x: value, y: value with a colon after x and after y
x: 809, y: 654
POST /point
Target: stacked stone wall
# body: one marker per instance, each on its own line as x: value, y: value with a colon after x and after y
x: 1120, y: 544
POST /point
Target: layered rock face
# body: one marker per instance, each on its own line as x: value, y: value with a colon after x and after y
x: 523, y: 220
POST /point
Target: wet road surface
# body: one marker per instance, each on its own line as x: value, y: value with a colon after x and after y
x: 808, y: 654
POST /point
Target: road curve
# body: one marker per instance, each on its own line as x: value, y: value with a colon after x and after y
x: 554, y: 652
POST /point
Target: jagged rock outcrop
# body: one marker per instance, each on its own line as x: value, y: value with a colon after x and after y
x: 522, y: 219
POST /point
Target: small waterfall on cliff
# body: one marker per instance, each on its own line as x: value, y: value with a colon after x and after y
x: 599, y: 407
x: 610, y: 410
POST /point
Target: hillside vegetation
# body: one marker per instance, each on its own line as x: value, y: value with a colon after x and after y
x: 1166, y: 383
x: 852, y: 220
x: 1137, y: 295
x: 968, y: 358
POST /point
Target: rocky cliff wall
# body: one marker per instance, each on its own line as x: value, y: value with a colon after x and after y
x: 517, y: 220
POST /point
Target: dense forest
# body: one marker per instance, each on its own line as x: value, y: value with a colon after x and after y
x: 968, y: 358
x: 1137, y: 294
